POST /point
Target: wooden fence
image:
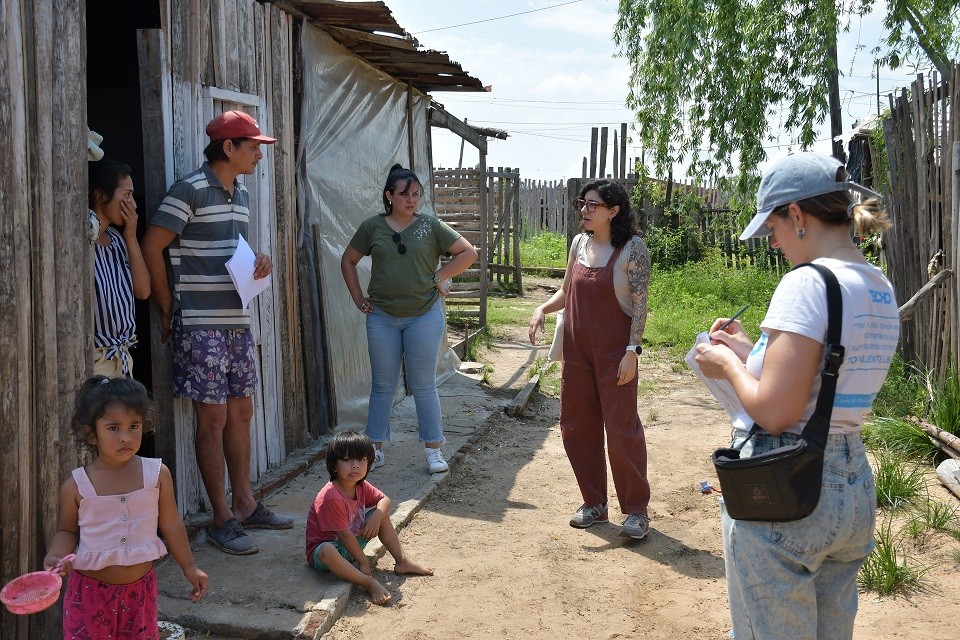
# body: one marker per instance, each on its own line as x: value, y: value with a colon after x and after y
x: 922, y: 137
x: 543, y: 208
x: 460, y: 201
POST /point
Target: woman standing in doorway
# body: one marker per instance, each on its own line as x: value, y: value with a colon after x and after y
x: 604, y: 297
x: 404, y: 315
x: 120, y: 273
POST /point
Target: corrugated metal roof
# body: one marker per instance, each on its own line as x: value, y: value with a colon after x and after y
x: 369, y: 30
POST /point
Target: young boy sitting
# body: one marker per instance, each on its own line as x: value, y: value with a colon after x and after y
x: 347, y: 513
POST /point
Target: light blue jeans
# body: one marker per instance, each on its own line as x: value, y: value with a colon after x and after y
x: 798, y: 580
x: 414, y: 342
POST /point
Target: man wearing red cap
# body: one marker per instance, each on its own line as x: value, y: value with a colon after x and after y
x: 201, y: 220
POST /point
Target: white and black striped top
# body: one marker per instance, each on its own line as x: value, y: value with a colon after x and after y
x: 114, y: 322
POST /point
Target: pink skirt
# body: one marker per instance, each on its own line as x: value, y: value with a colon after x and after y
x: 94, y: 610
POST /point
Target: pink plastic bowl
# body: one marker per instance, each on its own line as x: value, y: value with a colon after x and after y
x: 34, y: 591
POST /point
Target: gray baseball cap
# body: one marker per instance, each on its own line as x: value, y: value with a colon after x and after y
x: 795, y: 177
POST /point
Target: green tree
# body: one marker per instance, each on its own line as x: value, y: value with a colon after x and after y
x: 712, y: 81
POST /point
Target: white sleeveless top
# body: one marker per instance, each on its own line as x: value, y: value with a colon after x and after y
x: 122, y: 529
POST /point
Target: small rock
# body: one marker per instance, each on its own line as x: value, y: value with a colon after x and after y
x: 471, y: 367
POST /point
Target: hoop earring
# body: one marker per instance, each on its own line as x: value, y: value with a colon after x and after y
x: 800, y: 233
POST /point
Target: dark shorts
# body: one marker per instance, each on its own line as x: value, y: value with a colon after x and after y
x: 212, y: 365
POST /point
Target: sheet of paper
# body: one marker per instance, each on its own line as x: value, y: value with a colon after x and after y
x: 240, y: 268
x: 720, y: 389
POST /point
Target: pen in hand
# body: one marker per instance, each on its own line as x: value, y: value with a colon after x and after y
x: 726, y: 324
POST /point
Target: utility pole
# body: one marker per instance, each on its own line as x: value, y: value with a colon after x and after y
x: 833, y: 84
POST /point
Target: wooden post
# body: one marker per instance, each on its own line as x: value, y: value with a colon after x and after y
x: 616, y: 157
x: 602, y: 172
x: 410, y: 131
x: 594, y: 132
x: 157, y: 177
x: 484, y: 237
x: 516, y: 231
x: 623, y: 151
x: 584, y: 172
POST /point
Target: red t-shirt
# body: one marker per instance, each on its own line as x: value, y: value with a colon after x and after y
x: 332, y: 511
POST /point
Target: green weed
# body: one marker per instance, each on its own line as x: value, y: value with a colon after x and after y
x: 945, y: 402
x: 686, y: 300
x: 898, y: 483
x: 936, y: 516
x: 887, y: 569
x: 653, y: 415
x: 903, y: 392
x: 544, y: 250
x: 900, y: 436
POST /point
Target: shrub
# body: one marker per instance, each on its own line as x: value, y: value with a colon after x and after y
x: 898, y: 483
x: 898, y: 436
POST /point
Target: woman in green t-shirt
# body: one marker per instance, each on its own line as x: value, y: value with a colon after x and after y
x: 402, y: 305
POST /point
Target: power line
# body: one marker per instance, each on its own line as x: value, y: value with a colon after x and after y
x: 512, y: 15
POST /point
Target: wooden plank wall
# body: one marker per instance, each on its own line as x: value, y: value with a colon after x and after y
x: 244, y: 47
x: 920, y: 135
x: 457, y: 201
x: 45, y: 283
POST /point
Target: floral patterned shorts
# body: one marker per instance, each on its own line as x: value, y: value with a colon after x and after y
x: 94, y: 610
x: 212, y: 365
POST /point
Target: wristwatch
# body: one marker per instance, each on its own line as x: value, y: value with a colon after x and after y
x: 635, y: 348
x: 435, y: 279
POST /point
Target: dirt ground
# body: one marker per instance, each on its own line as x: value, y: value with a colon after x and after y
x: 509, y: 566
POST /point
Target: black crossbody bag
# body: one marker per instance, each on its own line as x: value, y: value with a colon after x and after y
x: 784, y: 484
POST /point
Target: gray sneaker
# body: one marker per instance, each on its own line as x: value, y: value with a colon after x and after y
x: 587, y: 515
x: 636, y: 526
x: 230, y: 538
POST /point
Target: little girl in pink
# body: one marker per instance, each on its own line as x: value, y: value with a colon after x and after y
x: 110, y: 511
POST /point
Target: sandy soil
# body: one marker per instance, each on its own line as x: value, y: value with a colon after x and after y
x: 509, y: 566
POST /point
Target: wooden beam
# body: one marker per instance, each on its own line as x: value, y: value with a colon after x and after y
x: 906, y: 309
x: 439, y: 117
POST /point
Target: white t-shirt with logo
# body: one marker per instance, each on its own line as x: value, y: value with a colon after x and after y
x: 870, y: 331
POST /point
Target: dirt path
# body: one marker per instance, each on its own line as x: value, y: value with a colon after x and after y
x: 509, y: 566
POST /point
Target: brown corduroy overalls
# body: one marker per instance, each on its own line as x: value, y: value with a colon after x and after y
x: 596, y: 333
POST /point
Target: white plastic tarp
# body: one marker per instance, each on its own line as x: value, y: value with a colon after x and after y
x: 353, y: 129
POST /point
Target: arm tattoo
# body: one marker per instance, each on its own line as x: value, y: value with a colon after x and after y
x: 638, y: 274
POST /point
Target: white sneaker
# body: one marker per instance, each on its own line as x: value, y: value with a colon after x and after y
x: 435, y: 461
x: 379, y: 459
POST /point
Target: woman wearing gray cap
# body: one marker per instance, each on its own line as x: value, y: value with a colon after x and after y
x: 798, y: 579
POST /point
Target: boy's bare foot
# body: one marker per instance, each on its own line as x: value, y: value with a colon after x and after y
x: 408, y: 566
x: 378, y: 594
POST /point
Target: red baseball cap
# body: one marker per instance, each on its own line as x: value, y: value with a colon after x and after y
x: 236, y: 124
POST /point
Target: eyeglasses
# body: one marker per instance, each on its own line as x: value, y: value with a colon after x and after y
x: 401, y: 248
x: 579, y: 203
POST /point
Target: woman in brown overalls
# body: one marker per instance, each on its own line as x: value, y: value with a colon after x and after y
x: 604, y: 297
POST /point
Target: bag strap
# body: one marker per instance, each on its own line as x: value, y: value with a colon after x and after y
x: 818, y: 426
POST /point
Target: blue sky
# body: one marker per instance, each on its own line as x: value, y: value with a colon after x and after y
x: 555, y: 75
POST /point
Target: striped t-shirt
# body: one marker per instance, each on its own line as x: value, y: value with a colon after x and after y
x: 114, y: 322
x: 208, y: 221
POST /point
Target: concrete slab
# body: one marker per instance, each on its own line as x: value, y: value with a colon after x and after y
x: 274, y: 594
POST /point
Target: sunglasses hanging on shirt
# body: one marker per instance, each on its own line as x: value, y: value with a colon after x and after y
x: 401, y: 248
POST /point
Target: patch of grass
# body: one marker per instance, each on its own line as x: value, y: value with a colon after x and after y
x: 549, y: 375
x: 956, y: 557
x: 646, y: 387
x: 544, y: 250
x: 480, y: 342
x: 903, y: 392
x: 898, y: 483
x: 686, y: 300
x: 930, y: 515
x: 945, y: 402
x: 653, y: 415
x: 887, y: 569
x: 900, y: 436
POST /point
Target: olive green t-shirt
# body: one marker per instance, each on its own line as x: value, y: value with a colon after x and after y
x: 402, y: 284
